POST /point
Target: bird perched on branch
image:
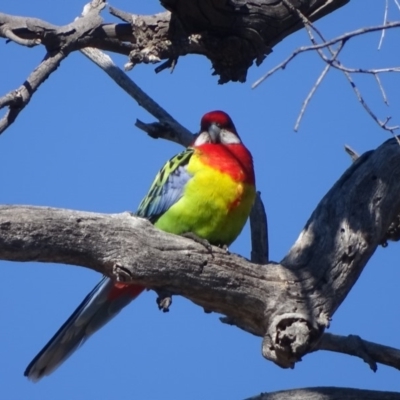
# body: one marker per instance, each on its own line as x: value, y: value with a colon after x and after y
x: 206, y: 190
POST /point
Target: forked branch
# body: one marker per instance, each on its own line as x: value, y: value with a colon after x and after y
x: 164, y: 37
x: 334, y: 62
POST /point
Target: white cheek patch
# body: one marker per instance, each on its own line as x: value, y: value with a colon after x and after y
x: 203, y: 138
x: 227, y: 137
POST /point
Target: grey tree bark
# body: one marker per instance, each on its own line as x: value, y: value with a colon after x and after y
x: 331, y: 393
x: 289, y: 304
x: 232, y: 35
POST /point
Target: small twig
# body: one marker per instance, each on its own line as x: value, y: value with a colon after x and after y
x: 169, y: 64
x: 17, y: 100
x: 382, y: 124
x: 384, y: 23
x: 352, y: 153
x: 158, y: 130
x: 342, y: 38
x: 353, y: 345
x: 102, y: 60
x: 378, y: 80
x: 282, y: 65
x: 350, y: 35
x: 336, y: 64
x: 314, y: 88
x: 182, y: 135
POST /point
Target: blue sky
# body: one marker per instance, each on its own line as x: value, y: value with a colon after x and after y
x: 75, y: 146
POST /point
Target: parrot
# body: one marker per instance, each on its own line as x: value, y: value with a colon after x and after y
x: 207, y: 190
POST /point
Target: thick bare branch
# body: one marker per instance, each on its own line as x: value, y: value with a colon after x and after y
x: 230, y: 36
x: 327, y: 393
x: 289, y: 304
x: 243, y: 31
x: 351, y: 152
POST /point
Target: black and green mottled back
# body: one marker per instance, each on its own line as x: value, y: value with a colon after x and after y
x: 167, y: 187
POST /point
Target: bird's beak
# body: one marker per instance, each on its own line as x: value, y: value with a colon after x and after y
x: 214, y: 131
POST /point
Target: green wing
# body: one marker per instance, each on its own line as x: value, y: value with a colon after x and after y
x: 167, y: 188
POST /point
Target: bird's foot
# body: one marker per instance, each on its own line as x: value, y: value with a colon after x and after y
x: 204, y: 242
x: 225, y: 247
x: 164, y: 300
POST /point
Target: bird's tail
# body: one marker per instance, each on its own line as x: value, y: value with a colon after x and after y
x: 102, y: 304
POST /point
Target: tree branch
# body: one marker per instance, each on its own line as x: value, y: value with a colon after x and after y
x: 59, y: 41
x: 288, y: 304
x: 327, y: 393
x: 167, y: 127
x: 259, y: 232
x: 328, y: 43
x: 335, y: 63
x: 230, y: 35
x: 18, y: 99
x: 353, y: 345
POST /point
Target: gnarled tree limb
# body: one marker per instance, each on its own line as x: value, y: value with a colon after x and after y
x: 289, y: 303
x: 231, y: 34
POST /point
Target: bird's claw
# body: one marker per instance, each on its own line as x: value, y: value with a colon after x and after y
x: 204, y: 242
x: 164, y: 300
x: 225, y: 247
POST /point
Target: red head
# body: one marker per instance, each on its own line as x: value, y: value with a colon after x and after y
x: 220, y: 141
x: 217, y: 127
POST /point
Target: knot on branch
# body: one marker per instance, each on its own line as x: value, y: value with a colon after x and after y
x: 290, y: 337
x: 121, y: 273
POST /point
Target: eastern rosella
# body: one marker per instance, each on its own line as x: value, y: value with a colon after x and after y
x: 207, y: 190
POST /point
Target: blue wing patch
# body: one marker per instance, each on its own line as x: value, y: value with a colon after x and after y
x: 167, y: 187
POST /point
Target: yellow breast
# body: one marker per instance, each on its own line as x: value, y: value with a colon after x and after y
x: 214, y: 206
